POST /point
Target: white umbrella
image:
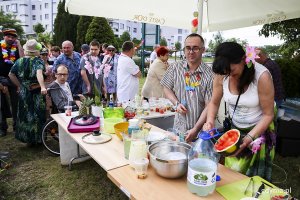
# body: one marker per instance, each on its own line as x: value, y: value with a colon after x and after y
x: 216, y: 15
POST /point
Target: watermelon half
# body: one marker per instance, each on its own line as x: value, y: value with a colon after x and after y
x: 228, y: 143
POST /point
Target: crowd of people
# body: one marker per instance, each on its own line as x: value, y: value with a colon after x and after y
x: 193, y: 86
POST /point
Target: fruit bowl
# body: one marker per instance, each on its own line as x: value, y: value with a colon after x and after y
x: 120, y: 128
x: 228, y: 143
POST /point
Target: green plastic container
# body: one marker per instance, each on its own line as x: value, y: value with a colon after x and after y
x: 116, y: 112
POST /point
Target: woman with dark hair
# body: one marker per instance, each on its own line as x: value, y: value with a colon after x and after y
x: 152, y: 86
x: 249, y: 94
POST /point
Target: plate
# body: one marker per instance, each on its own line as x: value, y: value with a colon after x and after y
x: 156, y: 136
x: 90, y: 139
x: 85, y: 120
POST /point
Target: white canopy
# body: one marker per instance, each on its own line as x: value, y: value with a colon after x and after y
x: 217, y: 14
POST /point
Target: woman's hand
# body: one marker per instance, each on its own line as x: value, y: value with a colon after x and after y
x: 246, y: 141
x: 43, y: 91
x: 207, y: 126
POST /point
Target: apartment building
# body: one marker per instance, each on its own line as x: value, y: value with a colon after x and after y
x: 31, y: 12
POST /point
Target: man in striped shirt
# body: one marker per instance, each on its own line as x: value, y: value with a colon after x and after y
x: 188, y: 85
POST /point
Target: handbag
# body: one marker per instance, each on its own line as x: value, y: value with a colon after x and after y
x: 228, y: 121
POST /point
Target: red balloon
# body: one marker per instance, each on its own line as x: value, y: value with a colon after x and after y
x: 195, y: 22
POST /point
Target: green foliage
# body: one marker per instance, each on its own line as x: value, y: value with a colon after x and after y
x: 82, y: 28
x: 136, y: 41
x: 177, y: 46
x: 65, y: 25
x: 45, y: 38
x: 289, y: 31
x: 163, y: 42
x: 9, y: 21
x: 125, y: 37
x: 38, y: 28
x: 100, y: 30
x: 290, y: 72
x: 217, y: 39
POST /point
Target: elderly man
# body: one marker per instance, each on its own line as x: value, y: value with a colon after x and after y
x: 90, y: 70
x: 128, y: 74
x: 274, y: 69
x: 188, y: 85
x: 71, y: 59
x: 10, y: 51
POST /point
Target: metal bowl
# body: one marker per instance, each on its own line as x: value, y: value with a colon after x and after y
x: 169, y: 159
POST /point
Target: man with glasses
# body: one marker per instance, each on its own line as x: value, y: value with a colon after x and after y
x: 188, y: 85
x: 90, y: 70
x: 60, y: 90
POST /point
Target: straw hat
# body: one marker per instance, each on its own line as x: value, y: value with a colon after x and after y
x: 32, y: 46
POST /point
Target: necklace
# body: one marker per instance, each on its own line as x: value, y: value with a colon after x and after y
x: 10, y: 59
x: 190, y: 86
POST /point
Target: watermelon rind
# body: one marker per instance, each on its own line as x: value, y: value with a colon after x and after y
x: 232, y: 148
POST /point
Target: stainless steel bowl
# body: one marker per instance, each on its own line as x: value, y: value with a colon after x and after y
x: 168, y: 158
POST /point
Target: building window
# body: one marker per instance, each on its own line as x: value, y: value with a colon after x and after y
x: 14, y: 7
x: 23, y: 15
x: 134, y: 30
x: 128, y: 29
x: 121, y: 26
x: 40, y: 7
x: 179, y: 38
x: 33, y: 7
x: 46, y: 5
x: 33, y: 17
x: 179, y: 31
x: 7, y: 8
x: 1, y: 8
x: 41, y: 17
x: 46, y: 26
x: 46, y: 16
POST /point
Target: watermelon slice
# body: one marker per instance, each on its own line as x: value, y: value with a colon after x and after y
x: 228, y: 143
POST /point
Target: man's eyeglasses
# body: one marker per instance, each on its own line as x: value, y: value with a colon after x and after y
x: 194, y: 49
x: 62, y: 74
x: 111, y: 50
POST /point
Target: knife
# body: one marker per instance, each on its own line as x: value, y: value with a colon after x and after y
x: 259, y: 191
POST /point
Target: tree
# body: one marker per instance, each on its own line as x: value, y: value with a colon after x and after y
x: 38, y: 28
x: 163, y: 42
x: 100, y: 30
x: 289, y: 31
x: 177, y: 46
x: 124, y: 37
x: 9, y: 21
x: 45, y: 38
x: 136, y: 41
x: 65, y: 25
x: 82, y: 27
x: 217, y: 39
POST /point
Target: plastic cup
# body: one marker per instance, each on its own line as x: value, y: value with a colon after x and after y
x: 68, y: 110
x: 141, y: 167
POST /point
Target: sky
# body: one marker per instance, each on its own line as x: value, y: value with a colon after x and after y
x: 249, y: 33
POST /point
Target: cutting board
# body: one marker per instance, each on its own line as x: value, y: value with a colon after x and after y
x: 235, y: 191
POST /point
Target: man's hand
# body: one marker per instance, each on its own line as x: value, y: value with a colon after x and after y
x: 43, y: 91
x: 191, y: 134
x: 181, y: 109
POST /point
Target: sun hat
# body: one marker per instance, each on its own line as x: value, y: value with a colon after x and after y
x: 10, y: 31
x: 44, y: 51
x: 32, y: 46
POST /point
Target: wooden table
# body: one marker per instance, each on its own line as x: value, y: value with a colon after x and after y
x: 156, y: 187
x: 110, y: 156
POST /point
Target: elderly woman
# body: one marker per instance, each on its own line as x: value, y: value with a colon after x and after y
x: 249, y: 92
x: 152, y: 86
x: 27, y: 75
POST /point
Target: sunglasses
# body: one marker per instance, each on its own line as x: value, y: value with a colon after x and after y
x: 111, y: 50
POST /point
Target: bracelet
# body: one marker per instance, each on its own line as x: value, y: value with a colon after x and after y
x: 250, y: 137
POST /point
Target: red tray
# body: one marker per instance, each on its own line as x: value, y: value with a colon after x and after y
x: 73, y: 128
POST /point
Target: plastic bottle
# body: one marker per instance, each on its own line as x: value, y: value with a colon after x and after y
x: 202, y: 167
x: 133, y: 125
x: 111, y: 101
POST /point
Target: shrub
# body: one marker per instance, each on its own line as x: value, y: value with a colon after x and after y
x: 290, y: 71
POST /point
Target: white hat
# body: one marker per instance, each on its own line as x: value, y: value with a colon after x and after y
x: 32, y: 46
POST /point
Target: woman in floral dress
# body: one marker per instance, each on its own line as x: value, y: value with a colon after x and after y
x: 27, y: 75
